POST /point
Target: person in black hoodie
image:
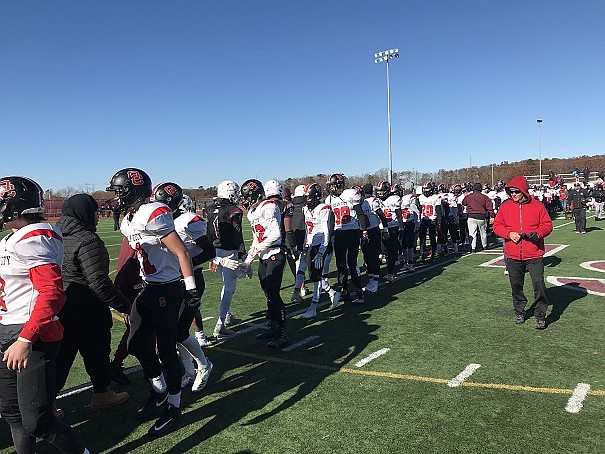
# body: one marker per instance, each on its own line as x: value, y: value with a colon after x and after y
x: 86, y: 316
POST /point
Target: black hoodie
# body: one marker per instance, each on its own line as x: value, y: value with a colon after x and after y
x: 86, y: 262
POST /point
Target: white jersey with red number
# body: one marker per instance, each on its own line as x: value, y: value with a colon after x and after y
x: 461, y: 207
x: 409, y: 209
x: 190, y: 226
x: 345, y: 217
x: 428, y: 206
x: 29, y: 247
x: 391, y: 204
x: 266, y: 220
x: 374, y: 204
x: 145, y: 230
x: 319, y: 226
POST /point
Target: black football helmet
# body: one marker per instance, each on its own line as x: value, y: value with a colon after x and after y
x: 457, y: 189
x: 169, y: 193
x: 336, y: 183
x: 397, y: 189
x: 383, y: 189
x: 312, y: 195
x: 130, y: 185
x: 251, y: 192
x: 427, y: 189
x: 19, y: 195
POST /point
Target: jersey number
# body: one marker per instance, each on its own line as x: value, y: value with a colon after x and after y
x: 309, y: 227
x: 148, y: 268
x: 388, y: 214
x: 259, y: 232
x: 427, y: 210
x: 405, y: 213
x: 2, y: 303
x: 342, y: 215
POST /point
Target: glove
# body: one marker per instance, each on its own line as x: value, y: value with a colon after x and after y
x: 244, y: 271
x: 228, y: 263
x: 365, y: 239
x: 318, y: 261
x: 531, y: 236
x: 192, y: 298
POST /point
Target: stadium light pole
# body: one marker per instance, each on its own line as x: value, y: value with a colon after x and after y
x: 539, y: 121
x: 379, y: 57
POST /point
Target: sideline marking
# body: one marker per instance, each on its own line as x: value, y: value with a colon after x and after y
x: 300, y: 343
x: 574, y: 404
x: 363, y: 362
x: 554, y: 280
x: 462, y: 376
x: 572, y: 222
x: 589, y: 266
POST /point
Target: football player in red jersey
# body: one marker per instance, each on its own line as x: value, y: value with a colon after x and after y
x: 162, y: 255
x: 31, y: 296
x: 265, y: 219
x: 192, y: 231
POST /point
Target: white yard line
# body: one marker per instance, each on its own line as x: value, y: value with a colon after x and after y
x: 575, y: 402
x: 299, y: 343
x: 373, y: 356
x: 462, y: 376
x: 555, y: 250
x: 205, y: 319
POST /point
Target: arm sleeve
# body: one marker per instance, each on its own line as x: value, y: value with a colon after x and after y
x: 383, y: 218
x: 238, y: 238
x: 208, y: 250
x: 361, y: 217
x: 500, y: 227
x: 47, y: 281
x: 545, y: 227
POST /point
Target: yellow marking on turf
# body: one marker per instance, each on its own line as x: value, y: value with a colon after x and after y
x: 408, y: 377
x: 116, y: 316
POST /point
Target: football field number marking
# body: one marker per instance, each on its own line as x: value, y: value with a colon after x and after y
x: 373, y: 356
x: 462, y: 376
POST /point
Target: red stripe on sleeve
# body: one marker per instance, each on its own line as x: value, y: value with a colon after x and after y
x: 42, y: 232
x: 158, y: 212
x: 195, y: 219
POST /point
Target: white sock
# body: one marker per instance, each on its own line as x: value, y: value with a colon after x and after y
x: 316, y: 290
x: 194, y: 349
x: 186, y: 359
x: 175, y: 399
x: 158, y: 383
x: 325, y: 284
x: 200, y: 335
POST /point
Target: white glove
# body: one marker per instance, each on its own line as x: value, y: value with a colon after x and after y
x: 228, y: 263
x: 318, y: 261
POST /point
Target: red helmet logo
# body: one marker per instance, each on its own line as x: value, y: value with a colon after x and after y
x: 136, y: 177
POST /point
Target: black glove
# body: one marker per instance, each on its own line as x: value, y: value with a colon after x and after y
x: 192, y: 298
x: 531, y: 236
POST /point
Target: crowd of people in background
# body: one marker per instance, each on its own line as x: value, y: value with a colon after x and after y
x: 51, y: 273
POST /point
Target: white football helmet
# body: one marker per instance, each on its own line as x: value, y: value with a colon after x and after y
x: 352, y: 196
x: 299, y: 191
x: 228, y: 190
x: 187, y: 204
x: 273, y: 188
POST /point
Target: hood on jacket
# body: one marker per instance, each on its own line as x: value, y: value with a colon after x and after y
x: 519, y: 182
x: 82, y: 207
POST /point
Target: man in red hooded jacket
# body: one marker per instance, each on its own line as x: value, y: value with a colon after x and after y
x: 523, y: 222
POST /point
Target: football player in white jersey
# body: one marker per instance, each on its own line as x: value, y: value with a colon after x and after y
x: 371, y: 242
x: 319, y: 221
x: 430, y: 217
x: 347, y: 234
x: 163, y: 257
x: 449, y: 206
x: 31, y: 296
x: 410, y: 213
x: 192, y: 231
x: 265, y: 219
x: 392, y: 211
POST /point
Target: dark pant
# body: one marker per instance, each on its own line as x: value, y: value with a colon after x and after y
x: 270, y: 274
x: 86, y: 329
x: 427, y: 224
x: 407, y: 235
x: 346, y: 250
x: 371, y: 251
x: 187, y: 313
x: 516, y: 275
x: 156, y: 309
x: 391, y: 244
x: 27, y: 397
x: 579, y: 215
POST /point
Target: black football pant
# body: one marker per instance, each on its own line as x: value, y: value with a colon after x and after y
x: 463, y: 230
x: 516, y: 275
x: 428, y: 225
x: 371, y: 251
x: 27, y: 397
x: 270, y: 274
x: 579, y: 215
x: 346, y: 251
x: 391, y: 244
x: 156, y: 309
x: 407, y: 235
x: 450, y: 227
x: 86, y: 329
x: 187, y: 313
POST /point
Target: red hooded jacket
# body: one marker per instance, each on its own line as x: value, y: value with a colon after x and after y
x: 525, y: 217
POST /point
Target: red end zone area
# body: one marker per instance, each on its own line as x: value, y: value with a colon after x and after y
x: 550, y: 249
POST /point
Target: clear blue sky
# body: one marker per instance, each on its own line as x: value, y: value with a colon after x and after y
x: 201, y: 91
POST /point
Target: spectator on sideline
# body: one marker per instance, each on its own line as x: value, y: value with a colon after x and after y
x: 578, y: 197
x: 86, y: 317
x: 598, y: 195
x: 586, y: 174
x: 523, y: 222
x: 30, y: 332
x: 478, y: 206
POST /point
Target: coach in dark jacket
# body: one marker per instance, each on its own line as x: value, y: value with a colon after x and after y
x: 86, y: 316
x: 479, y: 208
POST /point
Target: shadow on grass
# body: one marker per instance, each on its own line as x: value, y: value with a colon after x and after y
x: 559, y: 299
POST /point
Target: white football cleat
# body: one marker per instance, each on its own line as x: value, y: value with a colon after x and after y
x: 334, y: 297
x: 201, y: 377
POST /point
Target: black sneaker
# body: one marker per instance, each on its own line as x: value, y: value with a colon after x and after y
x: 117, y: 374
x: 519, y: 319
x: 540, y: 323
x: 281, y: 340
x: 167, y: 422
x: 155, y: 401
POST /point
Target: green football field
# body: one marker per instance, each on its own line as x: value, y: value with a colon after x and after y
x: 432, y: 363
